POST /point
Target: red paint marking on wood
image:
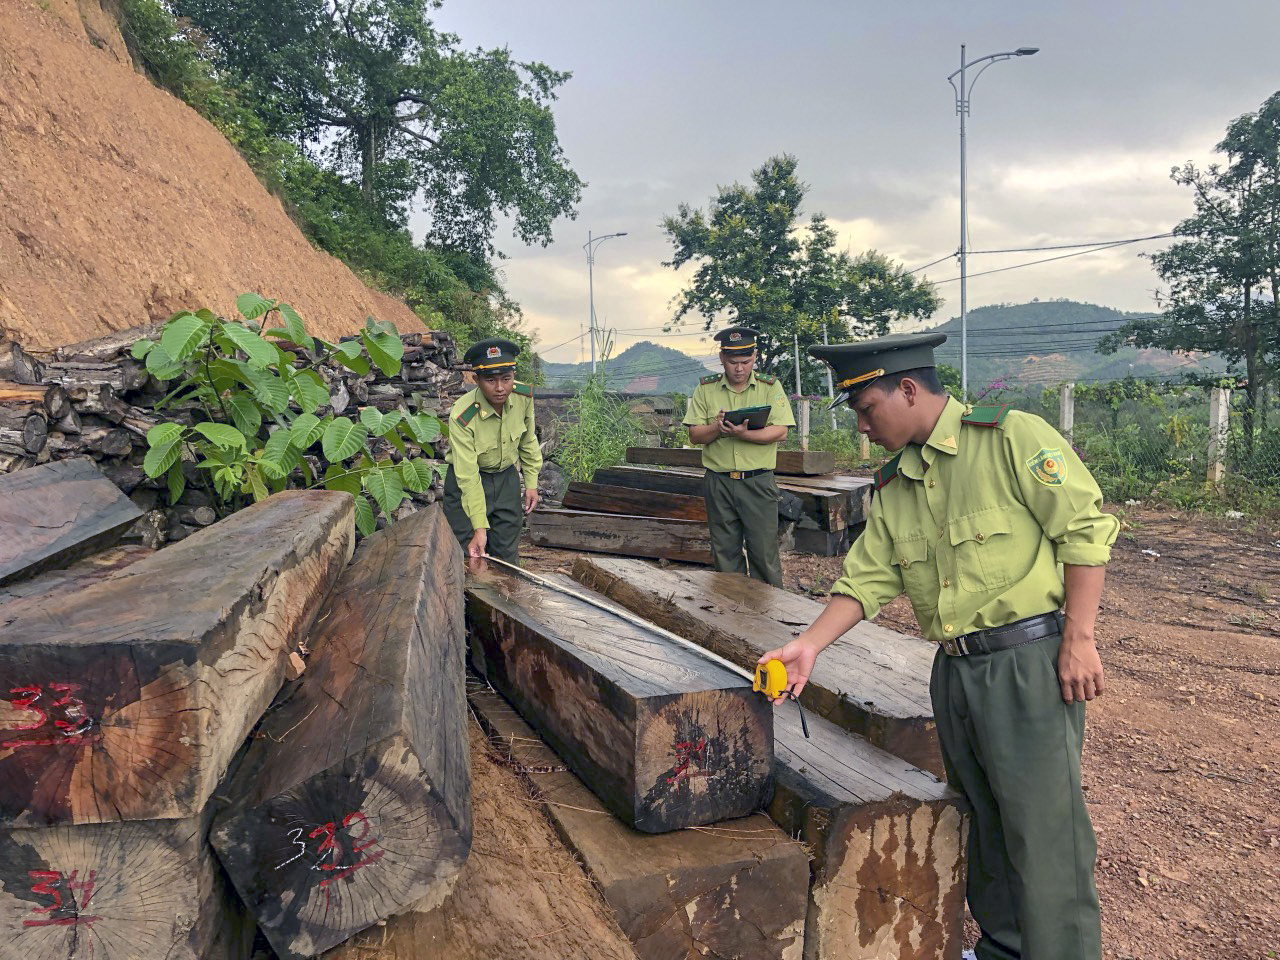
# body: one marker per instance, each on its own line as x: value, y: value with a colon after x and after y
x: 689, y: 753
x: 72, y: 725
x: 51, y: 884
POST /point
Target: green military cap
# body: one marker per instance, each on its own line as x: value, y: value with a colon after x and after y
x: 858, y: 365
x: 737, y: 339
x: 492, y: 356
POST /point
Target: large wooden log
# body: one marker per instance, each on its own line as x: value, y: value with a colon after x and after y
x: 353, y: 802
x: 685, y: 540
x: 57, y: 513
x: 602, y: 498
x: 75, y: 577
x: 888, y: 844
x: 18, y: 365
x: 796, y: 462
x: 143, y: 890
x: 49, y: 399
x: 664, y: 737
x: 737, y: 890
x: 125, y: 700
x: 872, y: 682
x: 832, y: 507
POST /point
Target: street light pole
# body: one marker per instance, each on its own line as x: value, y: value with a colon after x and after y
x: 962, y: 108
x: 590, y: 247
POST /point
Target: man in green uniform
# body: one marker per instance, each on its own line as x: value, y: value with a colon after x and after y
x: 992, y: 526
x: 490, y: 430
x: 741, y: 495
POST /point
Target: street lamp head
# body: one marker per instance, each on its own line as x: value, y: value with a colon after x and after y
x: 1026, y: 51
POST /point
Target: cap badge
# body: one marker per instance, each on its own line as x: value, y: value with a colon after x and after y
x: 735, y: 335
x: 493, y: 352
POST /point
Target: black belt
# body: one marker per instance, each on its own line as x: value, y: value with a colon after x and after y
x: 742, y: 474
x: 1027, y: 630
x: 500, y: 470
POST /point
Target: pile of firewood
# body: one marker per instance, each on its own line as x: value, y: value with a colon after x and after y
x: 93, y: 399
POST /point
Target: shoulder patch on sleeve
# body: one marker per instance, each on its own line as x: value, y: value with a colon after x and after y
x: 887, y: 472
x: 466, y: 415
x: 523, y: 389
x: 991, y: 415
x: 711, y: 378
x: 766, y: 378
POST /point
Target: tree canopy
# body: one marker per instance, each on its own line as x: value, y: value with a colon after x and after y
x: 757, y: 265
x: 374, y: 92
x: 1222, y: 275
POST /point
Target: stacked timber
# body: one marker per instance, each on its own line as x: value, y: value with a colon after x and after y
x: 664, y: 737
x: 353, y: 802
x: 128, y: 686
x: 887, y: 837
x: 799, y: 463
x: 873, y: 681
x: 94, y: 400
x: 733, y: 891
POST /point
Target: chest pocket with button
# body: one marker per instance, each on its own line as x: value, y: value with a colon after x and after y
x: 981, y: 542
x: 910, y: 555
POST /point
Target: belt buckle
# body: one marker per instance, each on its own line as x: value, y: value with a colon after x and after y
x: 955, y: 646
x: 735, y: 474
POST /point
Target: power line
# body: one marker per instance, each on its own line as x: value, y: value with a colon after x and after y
x: 1032, y: 263
x: 1101, y: 244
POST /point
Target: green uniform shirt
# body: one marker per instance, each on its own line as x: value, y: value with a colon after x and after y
x: 972, y: 525
x: 482, y: 439
x: 729, y: 453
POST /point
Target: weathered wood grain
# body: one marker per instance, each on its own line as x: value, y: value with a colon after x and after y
x: 144, y: 890
x: 872, y: 682
x: 353, y: 803
x: 126, y: 699
x: 665, y: 738
x: 797, y: 462
x: 888, y: 843
x: 684, y: 540
x: 737, y: 890
x: 77, y: 576
x: 54, y: 514
x: 603, y: 498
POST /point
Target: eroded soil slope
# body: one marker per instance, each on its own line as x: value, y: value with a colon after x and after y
x: 119, y: 204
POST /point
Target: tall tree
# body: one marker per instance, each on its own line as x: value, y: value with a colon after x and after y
x: 371, y: 88
x: 758, y: 265
x: 1222, y: 276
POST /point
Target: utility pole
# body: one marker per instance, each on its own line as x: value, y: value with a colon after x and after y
x: 590, y: 247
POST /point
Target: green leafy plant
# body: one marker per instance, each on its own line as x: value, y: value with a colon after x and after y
x: 249, y: 405
x: 601, y: 428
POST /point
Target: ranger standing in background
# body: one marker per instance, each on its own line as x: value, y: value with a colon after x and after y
x: 490, y: 430
x: 993, y: 528
x: 739, y: 488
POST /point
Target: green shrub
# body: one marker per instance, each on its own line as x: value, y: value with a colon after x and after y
x: 599, y: 432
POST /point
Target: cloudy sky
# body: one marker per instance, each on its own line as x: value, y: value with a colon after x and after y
x: 671, y: 98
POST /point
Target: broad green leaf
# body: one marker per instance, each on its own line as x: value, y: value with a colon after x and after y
x: 160, y: 365
x: 342, y: 439
x: 226, y: 480
x: 423, y: 428
x: 269, y: 390
x: 371, y: 417
x: 253, y: 305
x: 386, y: 487
x: 293, y: 323
x: 222, y: 435
x: 338, y: 477
x: 385, y: 350
x: 244, y: 413
x: 416, y: 475
x: 164, y: 447
x: 260, y: 353
x: 308, y: 390
x: 366, y: 522
x: 183, y: 335
x: 253, y: 480
x: 390, y: 421
x: 439, y: 468
x: 351, y: 355
x: 140, y: 349
x: 176, y: 481
x: 277, y: 445
x: 306, y: 430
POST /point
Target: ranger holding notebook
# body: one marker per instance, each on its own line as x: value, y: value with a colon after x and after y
x: 741, y: 495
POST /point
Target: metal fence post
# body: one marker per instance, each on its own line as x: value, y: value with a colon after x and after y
x: 1219, y: 412
x: 804, y: 423
x: 1067, y: 409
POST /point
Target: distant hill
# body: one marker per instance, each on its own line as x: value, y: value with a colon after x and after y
x: 642, y: 368
x: 1048, y: 341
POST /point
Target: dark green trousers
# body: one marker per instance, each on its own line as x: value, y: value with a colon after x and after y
x: 1012, y: 748
x: 503, y: 508
x: 744, y: 514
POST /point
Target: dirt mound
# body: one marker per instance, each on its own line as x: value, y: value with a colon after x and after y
x: 119, y: 204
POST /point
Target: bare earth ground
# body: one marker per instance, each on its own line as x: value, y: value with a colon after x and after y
x: 1181, y: 766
